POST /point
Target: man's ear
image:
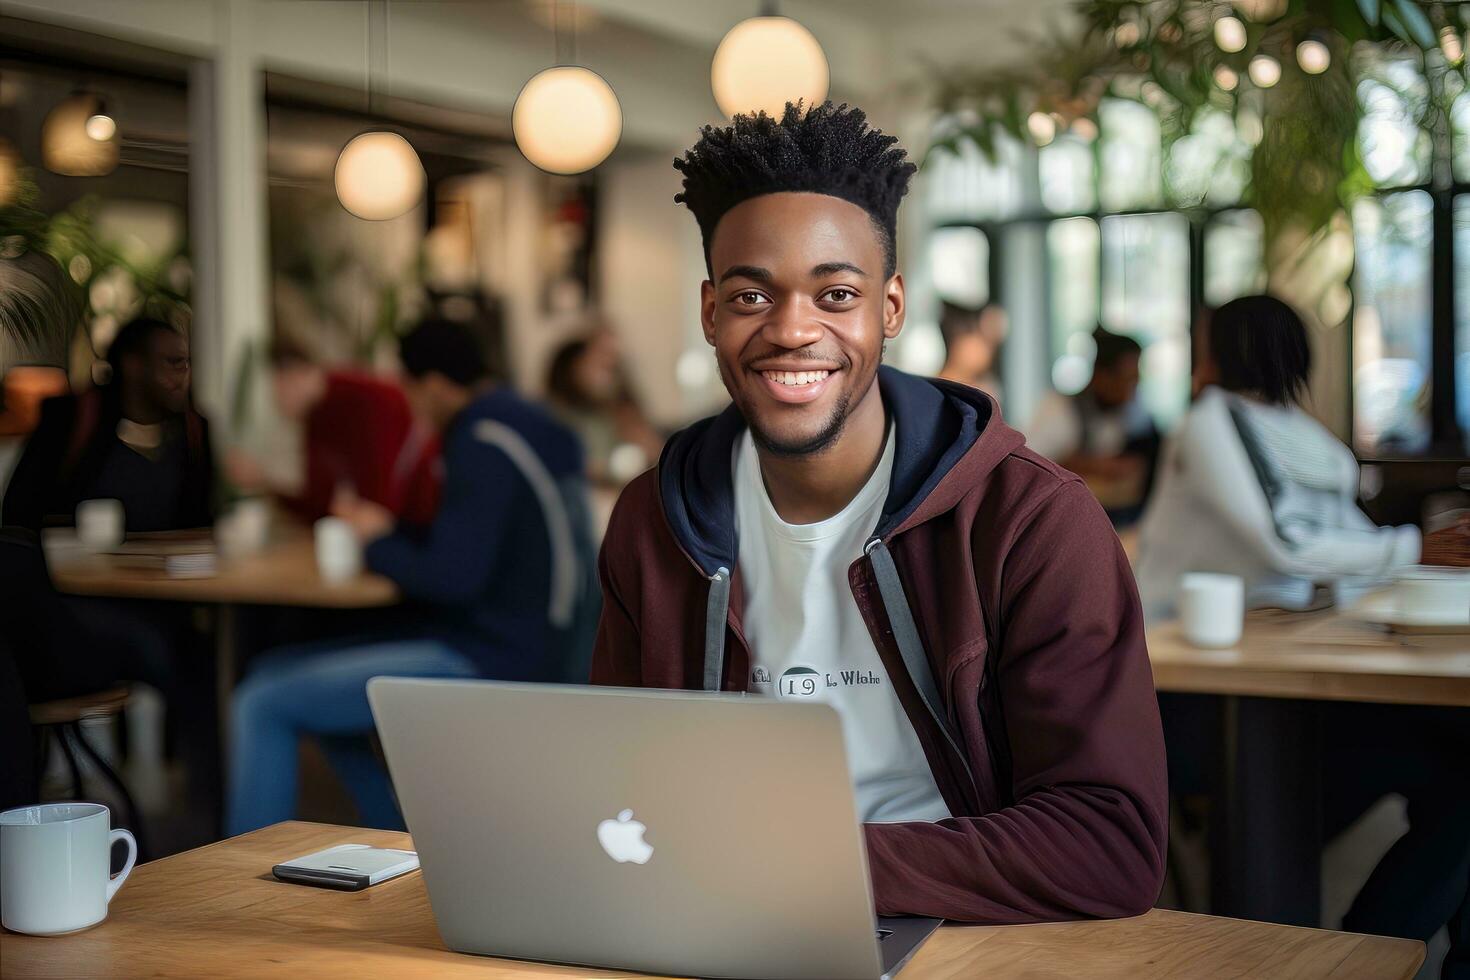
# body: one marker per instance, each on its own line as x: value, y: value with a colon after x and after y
x: 894, y: 306
x: 707, y: 311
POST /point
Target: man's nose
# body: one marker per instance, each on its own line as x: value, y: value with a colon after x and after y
x: 792, y: 325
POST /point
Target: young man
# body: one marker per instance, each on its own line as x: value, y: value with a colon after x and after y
x: 972, y: 339
x: 849, y: 533
x: 358, y: 432
x: 136, y: 439
x: 1103, y: 433
x: 482, y: 579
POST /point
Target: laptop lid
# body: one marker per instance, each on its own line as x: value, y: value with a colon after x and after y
x: 667, y: 832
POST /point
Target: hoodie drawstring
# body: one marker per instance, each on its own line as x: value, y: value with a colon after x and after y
x: 910, y: 647
x: 716, y: 610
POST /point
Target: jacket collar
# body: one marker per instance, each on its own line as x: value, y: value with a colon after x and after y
x: 939, y: 452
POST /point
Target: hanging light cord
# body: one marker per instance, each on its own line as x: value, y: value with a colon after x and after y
x: 564, y: 39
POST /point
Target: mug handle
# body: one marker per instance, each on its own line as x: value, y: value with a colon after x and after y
x: 116, y: 881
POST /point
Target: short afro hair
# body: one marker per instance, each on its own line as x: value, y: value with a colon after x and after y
x: 826, y: 149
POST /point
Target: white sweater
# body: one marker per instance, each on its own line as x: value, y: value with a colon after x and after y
x: 1267, y: 493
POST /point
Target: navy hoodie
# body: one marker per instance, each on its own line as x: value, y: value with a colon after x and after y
x: 483, y: 567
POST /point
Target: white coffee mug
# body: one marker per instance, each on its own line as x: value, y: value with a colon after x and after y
x: 101, y: 524
x: 55, y: 860
x: 338, y: 553
x: 1211, y: 608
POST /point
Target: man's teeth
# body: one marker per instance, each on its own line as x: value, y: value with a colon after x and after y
x: 796, y: 377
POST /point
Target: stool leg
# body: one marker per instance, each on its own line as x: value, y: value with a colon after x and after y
x: 62, y: 733
x: 134, y: 817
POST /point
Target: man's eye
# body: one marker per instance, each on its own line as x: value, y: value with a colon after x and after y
x: 748, y: 298
x: 839, y: 295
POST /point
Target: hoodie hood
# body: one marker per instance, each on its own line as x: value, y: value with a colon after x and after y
x: 947, y: 436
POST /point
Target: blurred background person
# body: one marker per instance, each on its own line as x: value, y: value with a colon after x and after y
x: 136, y: 439
x: 357, y: 432
x: 972, y: 341
x: 588, y: 390
x: 1253, y: 486
x: 482, y: 578
x: 1103, y: 433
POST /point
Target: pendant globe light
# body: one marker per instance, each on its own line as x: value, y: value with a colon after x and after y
x: 566, y: 119
x: 765, y: 62
x: 378, y: 175
x: 79, y: 138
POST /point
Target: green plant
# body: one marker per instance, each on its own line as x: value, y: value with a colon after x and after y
x: 1304, y: 164
x: 48, y: 264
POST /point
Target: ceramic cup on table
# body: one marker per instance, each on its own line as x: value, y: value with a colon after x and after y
x: 1211, y: 608
x: 55, y: 863
x: 101, y: 524
x: 338, y: 552
x: 1434, y: 593
x: 246, y: 528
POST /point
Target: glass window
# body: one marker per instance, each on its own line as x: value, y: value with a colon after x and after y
x: 959, y: 263
x: 1068, y: 172
x: 1392, y: 322
x: 966, y: 185
x: 1234, y: 263
x: 1211, y: 164
x: 1462, y: 314
x: 1394, y: 148
x: 1072, y: 252
x: 1145, y: 294
x: 1132, y: 156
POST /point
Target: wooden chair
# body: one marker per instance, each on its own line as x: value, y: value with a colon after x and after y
x: 64, y: 718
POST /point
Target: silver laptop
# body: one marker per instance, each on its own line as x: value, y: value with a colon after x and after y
x: 667, y: 832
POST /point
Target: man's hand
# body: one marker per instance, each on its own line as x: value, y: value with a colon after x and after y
x: 244, y: 470
x: 370, y: 520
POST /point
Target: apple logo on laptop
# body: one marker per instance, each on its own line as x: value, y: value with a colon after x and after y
x: 622, y: 839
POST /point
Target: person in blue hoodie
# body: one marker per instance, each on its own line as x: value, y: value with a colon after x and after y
x: 484, y: 582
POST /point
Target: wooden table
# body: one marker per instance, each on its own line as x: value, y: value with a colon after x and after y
x: 1317, y: 656
x: 1266, y: 835
x: 284, y: 573
x: 216, y: 912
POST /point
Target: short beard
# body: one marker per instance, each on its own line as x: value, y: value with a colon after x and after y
x: 822, y: 441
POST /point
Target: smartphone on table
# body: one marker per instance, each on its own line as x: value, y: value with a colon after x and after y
x: 348, y: 867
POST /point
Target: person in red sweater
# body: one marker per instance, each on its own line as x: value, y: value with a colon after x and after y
x: 358, y: 435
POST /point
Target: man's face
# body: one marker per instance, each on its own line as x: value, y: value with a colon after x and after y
x: 1115, y: 386
x: 797, y: 313
x: 297, y: 386
x: 430, y: 398
x: 162, y: 371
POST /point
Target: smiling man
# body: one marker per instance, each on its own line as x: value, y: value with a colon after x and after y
x: 849, y: 534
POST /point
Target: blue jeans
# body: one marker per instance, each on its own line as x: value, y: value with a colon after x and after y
x: 319, y: 690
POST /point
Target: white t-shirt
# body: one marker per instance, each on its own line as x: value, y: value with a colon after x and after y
x: 809, y: 642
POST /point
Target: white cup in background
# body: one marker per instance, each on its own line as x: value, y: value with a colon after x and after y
x: 55, y: 863
x: 101, y: 524
x: 1211, y: 608
x: 338, y: 553
x: 245, y: 529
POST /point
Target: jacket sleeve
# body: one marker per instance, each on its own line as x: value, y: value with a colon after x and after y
x: 1213, y: 460
x: 451, y: 562
x: 33, y: 483
x: 1086, y: 831
x: 616, y: 656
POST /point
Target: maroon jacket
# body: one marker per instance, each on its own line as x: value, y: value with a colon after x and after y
x: 1004, y: 610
